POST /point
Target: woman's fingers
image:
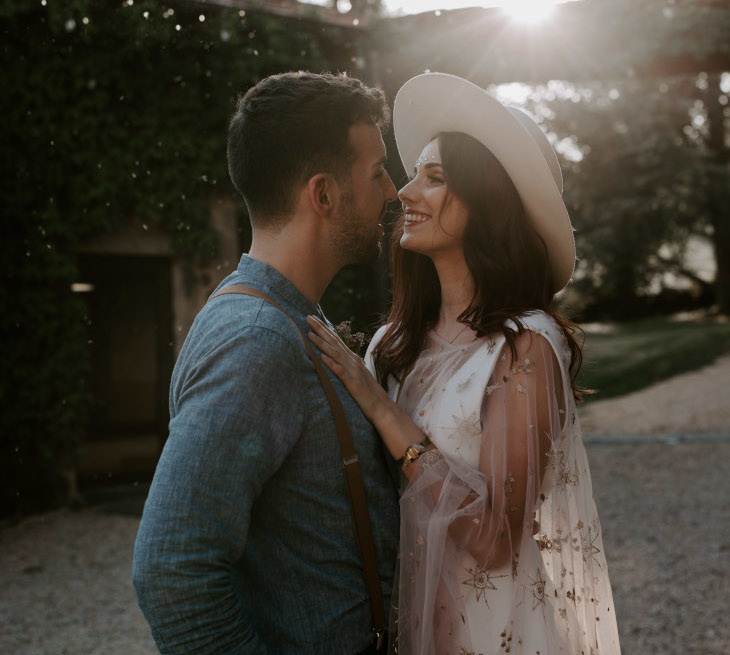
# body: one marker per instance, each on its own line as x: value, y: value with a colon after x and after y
x: 322, y: 331
x: 347, y: 366
x: 331, y: 346
x: 325, y: 346
x: 336, y: 368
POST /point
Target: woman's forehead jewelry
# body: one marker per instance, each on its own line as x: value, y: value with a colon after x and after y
x: 422, y: 160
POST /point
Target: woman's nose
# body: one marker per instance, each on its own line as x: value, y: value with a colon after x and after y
x: 407, y: 193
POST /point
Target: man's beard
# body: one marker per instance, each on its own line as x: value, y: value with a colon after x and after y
x: 355, y: 242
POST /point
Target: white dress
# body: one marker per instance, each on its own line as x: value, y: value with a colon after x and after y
x: 474, y: 575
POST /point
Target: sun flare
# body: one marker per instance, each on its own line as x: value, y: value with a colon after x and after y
x: 529, y: 11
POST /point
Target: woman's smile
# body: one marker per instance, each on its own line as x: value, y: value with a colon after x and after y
x: 412, y: 216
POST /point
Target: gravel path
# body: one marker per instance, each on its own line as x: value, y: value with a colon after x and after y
x: 65, y: 587
x: 665, y: 512
x: 690, y: 403
x: 65, y: 576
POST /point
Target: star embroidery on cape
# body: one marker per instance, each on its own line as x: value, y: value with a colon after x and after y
x: 588, y: 542
x: 467, y: 427
x: 524, y: 366
x: 463, y: 386
x: 555, y: 457
x: 490, y: 388
x: 556, y: 461
x: 537, y: 588
x: 509, y: 483
x: 482, y: 582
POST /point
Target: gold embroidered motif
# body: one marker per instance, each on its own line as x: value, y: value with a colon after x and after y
x: 521, y: 389
x: 588, y: 541
x: 556, y: 460
x: 545, y: 542
x: 506, y: 646
x: 524, y: 366
x: 537, y: 588
x: 463, y: 386
x: 467, y: 427
x: 482, y: 582
x: 509, y: 484
x: 490, y: 388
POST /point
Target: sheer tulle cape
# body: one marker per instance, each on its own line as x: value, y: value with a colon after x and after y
x: 501, y: 547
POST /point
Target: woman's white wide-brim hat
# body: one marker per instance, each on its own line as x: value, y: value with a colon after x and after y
x: 436, y: 102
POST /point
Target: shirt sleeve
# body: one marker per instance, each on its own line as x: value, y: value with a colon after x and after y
x: 236, y: 419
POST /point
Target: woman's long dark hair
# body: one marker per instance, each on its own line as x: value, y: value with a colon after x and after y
x: 506, y: 257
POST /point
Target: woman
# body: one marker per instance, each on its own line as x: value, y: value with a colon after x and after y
x: 501, y: 548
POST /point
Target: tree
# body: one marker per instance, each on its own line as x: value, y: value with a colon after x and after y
x: 637, y: 191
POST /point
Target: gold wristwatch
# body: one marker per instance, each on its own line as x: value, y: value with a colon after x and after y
x: 413, y: 452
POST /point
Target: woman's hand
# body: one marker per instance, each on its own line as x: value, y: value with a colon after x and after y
x: 350, y: 369
x: 396, y: 429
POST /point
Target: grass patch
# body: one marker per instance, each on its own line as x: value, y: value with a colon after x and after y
x: 639, y: 353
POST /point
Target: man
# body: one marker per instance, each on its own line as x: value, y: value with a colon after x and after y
x: 247, y: 543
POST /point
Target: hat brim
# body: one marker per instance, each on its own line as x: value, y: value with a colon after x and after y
x: 429, y: 104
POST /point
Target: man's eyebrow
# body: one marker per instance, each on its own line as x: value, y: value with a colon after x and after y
x: 381, y: 161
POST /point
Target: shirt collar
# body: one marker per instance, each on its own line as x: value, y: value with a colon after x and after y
x: 276, y: 284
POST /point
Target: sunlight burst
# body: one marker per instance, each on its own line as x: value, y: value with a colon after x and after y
x: 529, y: 11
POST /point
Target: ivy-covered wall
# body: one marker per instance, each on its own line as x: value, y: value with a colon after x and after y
x: 110, y: 111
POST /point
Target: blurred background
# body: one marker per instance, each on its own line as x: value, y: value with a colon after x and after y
x: 119, y: 219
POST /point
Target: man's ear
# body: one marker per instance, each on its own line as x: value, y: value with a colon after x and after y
x: 323, y: 193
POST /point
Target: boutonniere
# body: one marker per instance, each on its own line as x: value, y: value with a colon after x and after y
x: 355, y: 341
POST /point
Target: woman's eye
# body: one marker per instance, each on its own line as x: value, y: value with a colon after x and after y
x: 436, y: 179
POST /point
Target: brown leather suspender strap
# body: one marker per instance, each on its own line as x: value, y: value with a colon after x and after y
x: 351, y: 466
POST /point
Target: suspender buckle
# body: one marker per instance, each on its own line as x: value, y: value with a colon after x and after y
x: 352, y: 459
x: 379, y: 642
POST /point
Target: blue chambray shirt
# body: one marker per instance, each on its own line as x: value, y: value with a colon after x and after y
x: 247, y: 543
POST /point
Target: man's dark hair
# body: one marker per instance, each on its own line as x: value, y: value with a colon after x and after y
x: 292, y: 126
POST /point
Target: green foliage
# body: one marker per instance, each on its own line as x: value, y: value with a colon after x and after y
x: 110, y: 111
x: 639, y: 353
x: 640, y: 191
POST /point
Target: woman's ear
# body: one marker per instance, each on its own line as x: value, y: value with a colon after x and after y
x: 323, y: 193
